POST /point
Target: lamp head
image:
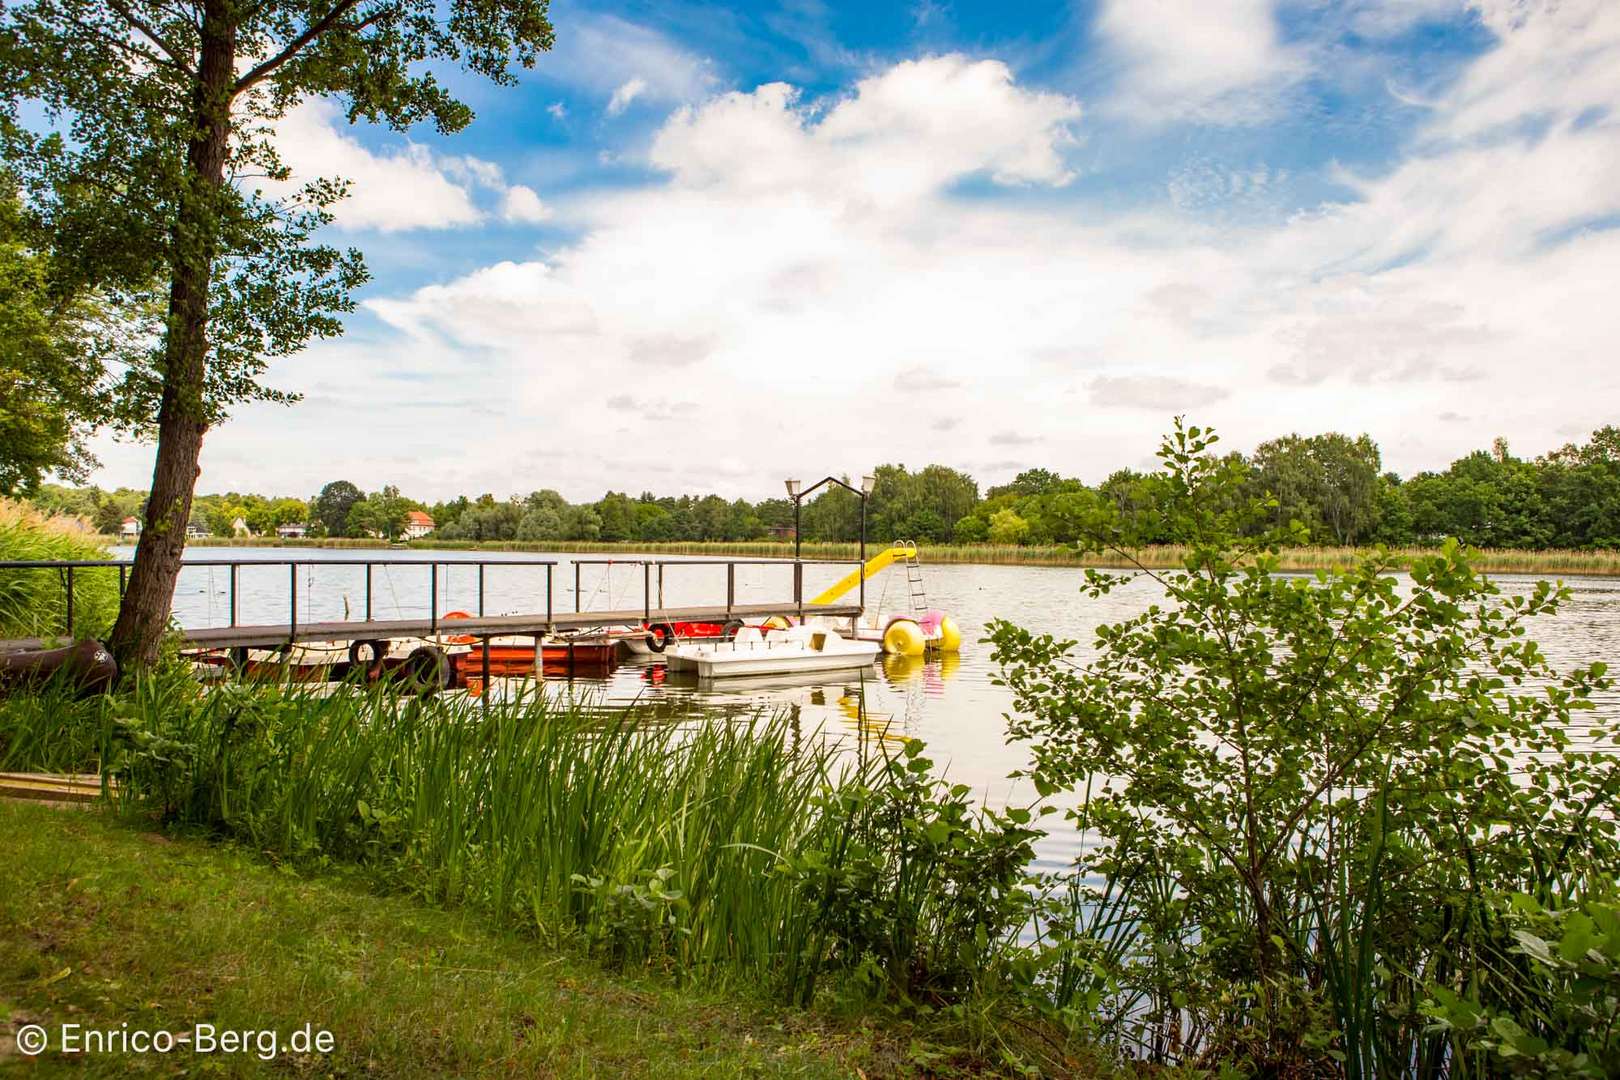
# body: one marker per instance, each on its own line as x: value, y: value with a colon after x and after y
x: 867, y: 484
x: 793, y: 489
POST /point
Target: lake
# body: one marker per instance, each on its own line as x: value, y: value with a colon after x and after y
x: 950, y: 702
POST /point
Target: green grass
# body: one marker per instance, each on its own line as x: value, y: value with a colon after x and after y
x: 33, y: 603
x: 1491, y: 560
x: 106, y: 925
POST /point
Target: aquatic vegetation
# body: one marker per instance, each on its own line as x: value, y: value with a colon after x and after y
x: 33, y: 603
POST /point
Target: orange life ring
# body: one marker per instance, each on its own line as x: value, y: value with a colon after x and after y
x: 457, y: 639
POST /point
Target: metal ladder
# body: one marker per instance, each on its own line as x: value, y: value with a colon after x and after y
x: 914, y: 582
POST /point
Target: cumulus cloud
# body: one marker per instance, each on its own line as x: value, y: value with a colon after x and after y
x: 399, y: 188
x: 791, y: 260
x: 521, y: 204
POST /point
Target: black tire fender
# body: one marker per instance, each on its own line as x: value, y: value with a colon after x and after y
x: 729, y: 631
x: 372, y: 665
x: 659, y: 635
x: 427, y: 669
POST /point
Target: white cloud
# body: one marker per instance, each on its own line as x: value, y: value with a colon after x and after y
x: 403, y: 188
x: 792, y: 264
x: 400, y: 188
x: 558, y: 110
x: 604, y: 53
x: 521, y: 204
x: 626, y: 92
x: 1161, y: 393
x: 1217, y: 61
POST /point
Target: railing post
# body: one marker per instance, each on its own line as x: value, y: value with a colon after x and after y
x: 70, y: 603
x: 433, y: 597
x: 646, y: 590
x: 549, y: 569
x: 576, y: 586
x: 235, y: 568
x: 369, y: 565
x: 292, y: 594
x: 798, y: 587
x: 731, y: 588
x: 481, y: 593
x: 660, y: 585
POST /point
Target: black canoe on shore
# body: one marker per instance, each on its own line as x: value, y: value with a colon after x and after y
x: 87, y: 666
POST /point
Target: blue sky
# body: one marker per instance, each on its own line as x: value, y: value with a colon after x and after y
x: 702, y: 247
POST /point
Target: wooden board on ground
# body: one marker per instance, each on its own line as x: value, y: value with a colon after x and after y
x: 51, y: 787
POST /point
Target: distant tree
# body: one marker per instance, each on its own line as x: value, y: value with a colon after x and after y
x: 1329, y: 483
x: 618, y: 516
x: 171, y: 106
x: 1006, y: 527
x: 542, y: 523
x: 1033, y: 482
x: 833, y: 514
x: 582, y: 523
x: 382, y: 513
x: 332, y: 506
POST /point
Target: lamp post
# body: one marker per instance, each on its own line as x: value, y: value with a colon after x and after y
x: 798, y: 493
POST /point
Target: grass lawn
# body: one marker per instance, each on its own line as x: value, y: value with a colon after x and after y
x: 104, y: 925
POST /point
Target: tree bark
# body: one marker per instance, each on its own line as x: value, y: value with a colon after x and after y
x: 143, y: 616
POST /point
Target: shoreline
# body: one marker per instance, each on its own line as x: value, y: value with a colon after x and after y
x: 1600, y: 563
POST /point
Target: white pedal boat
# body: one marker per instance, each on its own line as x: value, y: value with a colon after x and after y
x: 796, y: 649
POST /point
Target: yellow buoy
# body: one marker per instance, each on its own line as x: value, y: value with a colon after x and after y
x: 904, y: 638
x: 950, y: 635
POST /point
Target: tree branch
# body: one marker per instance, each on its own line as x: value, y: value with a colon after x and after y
x: 324, y: 24
x: 141, y: 26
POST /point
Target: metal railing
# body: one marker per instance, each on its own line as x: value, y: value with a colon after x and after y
x: 650, y: 568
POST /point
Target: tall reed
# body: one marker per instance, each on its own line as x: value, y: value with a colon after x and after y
x: 33, y: 603
x: 654, y: 842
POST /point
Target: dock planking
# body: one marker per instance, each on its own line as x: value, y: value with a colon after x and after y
x: 270, y: 635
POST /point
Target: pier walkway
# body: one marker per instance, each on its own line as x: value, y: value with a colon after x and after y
x: 544, y: 621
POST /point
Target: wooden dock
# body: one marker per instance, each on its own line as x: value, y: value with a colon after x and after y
x: 271, y: 635
x: 542, y: 623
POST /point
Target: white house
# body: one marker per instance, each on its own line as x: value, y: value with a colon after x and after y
x: 239, y: 527
x: 417, y: 525
x: 130, y: 529
x: 293, y: 530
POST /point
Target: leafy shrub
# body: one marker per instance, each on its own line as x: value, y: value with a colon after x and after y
x: 1307, y: 790
x: 911, y: 886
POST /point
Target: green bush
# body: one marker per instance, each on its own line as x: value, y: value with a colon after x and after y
x: 33, y: 603
x: 1305, y: 794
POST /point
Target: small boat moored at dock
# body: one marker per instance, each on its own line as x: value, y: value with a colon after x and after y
x: 796, y: 649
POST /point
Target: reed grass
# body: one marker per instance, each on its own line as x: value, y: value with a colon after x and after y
x: 653, y: 842
x: 33, y: 603
x: 1572, y: 561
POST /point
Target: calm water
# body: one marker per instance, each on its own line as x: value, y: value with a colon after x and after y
x: 949, y: 702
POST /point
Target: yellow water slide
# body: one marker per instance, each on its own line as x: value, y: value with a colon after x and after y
x: 901, y: 550
x: 914, y: 636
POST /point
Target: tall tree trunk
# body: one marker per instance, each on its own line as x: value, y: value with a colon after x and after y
x: 183, y: 416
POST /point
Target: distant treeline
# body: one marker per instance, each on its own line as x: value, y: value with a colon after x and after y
x: 1333, y: 484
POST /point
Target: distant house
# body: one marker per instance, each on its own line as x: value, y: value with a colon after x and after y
x: 130, y: 529
x: 293, y: 530
x: 417, y: 525
x: 239, y: 528
x: 196, y: 530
